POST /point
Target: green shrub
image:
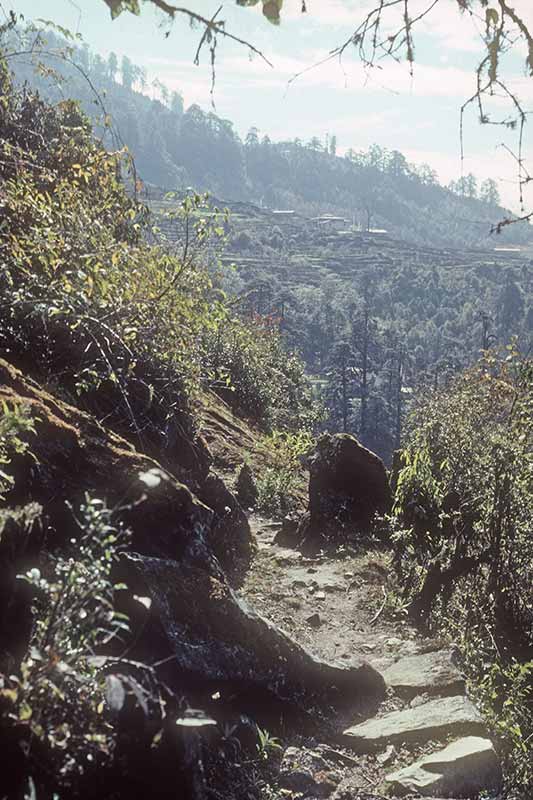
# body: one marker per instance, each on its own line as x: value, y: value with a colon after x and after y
x: 15, y: 424
x: 463, y: 537
x: 131, y: 326
x: 278, y: 485
x: 59, y: 696
x: 247, y: 362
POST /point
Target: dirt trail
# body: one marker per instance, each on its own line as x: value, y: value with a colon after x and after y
x: 347, y: 592
x: 339, y: 608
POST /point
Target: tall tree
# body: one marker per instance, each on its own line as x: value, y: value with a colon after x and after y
x: 252, y: 138
x: 365, y: 345
x: 488, y: 192
x: 176, y: 103
x: 342, y: 384
x: 397, y: 164
x: 511, y: 306
x: 427, y: 175
x: 470, y: 186
x: 315, y: 144
x: 112, y: 66
x: 128, y: 72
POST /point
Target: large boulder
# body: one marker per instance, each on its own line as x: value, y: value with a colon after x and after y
x: 229, y: 535
x: 71, y: 454
x: 348, y: 486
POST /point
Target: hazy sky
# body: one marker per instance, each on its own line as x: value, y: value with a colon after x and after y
x: 418, y: 116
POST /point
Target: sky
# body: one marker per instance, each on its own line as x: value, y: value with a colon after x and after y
x: 418, y: 114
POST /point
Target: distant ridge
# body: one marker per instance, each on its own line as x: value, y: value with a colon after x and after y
x: 174, y: 149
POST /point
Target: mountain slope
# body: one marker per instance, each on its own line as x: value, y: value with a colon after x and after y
x: 174, y: 149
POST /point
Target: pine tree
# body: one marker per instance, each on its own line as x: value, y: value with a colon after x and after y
x: 341, y: 387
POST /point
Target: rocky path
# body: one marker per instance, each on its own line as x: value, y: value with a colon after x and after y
x: 426, y: 738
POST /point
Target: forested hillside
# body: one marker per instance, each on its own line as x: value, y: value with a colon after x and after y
x: 174, y: 148
x: 376, y: 319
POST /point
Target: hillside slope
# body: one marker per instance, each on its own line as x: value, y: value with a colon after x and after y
x: 174, y: 148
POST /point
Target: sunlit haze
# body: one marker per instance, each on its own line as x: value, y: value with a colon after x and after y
x: 418, y: 115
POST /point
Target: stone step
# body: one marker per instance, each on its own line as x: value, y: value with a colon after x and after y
x: 425, y: 673
x: 462, y: 769
x: 434, y: 720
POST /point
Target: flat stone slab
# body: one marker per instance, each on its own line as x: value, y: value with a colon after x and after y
x: 462, y: 769
x: 437, y: 719
x: 429, y: 673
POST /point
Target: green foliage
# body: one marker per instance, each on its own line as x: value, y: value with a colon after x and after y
x: 15, y: 424
x: 267, y: 744
x: 77, y: 260
x: 278, y: 484
x: 247, y: 360
x: 274, y: 489
x: 462, y: 532
x: 133, y: 326
x: 58, y: 697
x: 503, y: 690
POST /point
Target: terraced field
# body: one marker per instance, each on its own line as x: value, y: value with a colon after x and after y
x: 308, y: 251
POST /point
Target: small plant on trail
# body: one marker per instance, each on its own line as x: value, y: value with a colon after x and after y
x: 394, y: 605
x: 267, y: 744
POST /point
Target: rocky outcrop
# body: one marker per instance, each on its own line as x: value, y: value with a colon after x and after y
x: 434, y: 720
x: 229, y: 535
x: 348, y: 486
x: 71, y: 454
x: 180, y: 545
x: 426, y: 673
x: 216, y: 636
x: 462, y: 769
